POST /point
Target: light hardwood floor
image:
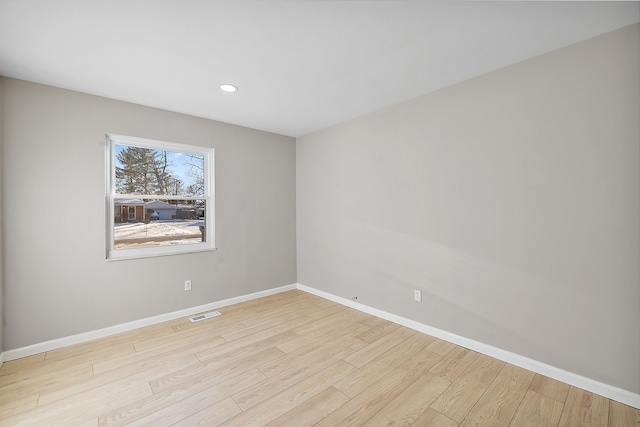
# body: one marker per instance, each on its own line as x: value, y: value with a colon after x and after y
x: 291, y: 359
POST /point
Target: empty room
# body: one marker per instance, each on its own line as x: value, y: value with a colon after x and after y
x: 319, y: 213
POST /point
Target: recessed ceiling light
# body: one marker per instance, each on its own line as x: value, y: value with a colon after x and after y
x: 228, y: 88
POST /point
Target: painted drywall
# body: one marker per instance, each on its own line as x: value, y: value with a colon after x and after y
x: 511, y: 200
x: 57, y: 280
x: 1, y: 222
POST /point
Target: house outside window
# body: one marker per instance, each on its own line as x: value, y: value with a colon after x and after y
x: 159, y: 198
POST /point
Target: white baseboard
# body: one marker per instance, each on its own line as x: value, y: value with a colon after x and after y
x: 606, y: 390
x: 112, y: 330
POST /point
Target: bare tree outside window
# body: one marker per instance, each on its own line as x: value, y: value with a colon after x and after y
x: 196, y: 172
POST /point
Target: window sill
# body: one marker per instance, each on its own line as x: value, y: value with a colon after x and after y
x: 143, y: 254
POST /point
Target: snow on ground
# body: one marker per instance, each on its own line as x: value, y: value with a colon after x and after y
x: 157, y: 233
x: 157, y: 228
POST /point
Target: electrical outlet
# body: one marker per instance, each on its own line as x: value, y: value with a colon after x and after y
x: 417, y: 295
x: 187, y: 285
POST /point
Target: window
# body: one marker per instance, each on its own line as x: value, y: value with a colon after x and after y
x: 159, y: 198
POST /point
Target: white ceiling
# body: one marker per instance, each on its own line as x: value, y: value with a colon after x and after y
x: 300, y: 65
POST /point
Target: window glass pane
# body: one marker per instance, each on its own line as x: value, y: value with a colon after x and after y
x: 148, y: 171
x: 152, y: 222
x: 161, y: 198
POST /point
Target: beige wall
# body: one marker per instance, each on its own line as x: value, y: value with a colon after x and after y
x: 56, y: 277
x: 511, y: 200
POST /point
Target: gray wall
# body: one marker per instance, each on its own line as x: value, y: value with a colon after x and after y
x: 56, y: 278
x: 2, y: 323
x: 511, y: 200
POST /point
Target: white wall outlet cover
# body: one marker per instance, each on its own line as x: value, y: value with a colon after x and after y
x: 417, y: 295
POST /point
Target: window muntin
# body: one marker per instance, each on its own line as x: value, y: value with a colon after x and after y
x: 159, y: 198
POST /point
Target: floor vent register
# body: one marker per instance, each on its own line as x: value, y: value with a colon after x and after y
x: 200, y: 317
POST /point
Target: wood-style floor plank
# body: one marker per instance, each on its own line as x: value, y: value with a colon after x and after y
x: 173, y: 410
x: 345, y: 326
x: 537, y: 410
x: 135, y: 372
x: 254, y: 342
x: 289, y: 359
x: 549, y: 387
x: 286, y: 400
x: 366, y: 404
x: 22, y: 364
x: 287, y: 378
x: 78, y: 409
x: 623, y: 415
x: 499, y: 403
x: 584, y: 408
x: 313, y: 353
x: 324, y: 311
x: 411, y: 403
x: 441, y: 347
x: 202, y: 393
x: 454, y: 363
x: 432, y: 418
x: 462, y: 395
x: 311, y: 411
x: 295, y: 318
x: 211, y: 416
x: 11, y: 406
x: 183, y: 376
x: 366, y: 376
x: 45, y: 381
x: 377, y: 332
x: 211, y: 335
x: 379, y: 347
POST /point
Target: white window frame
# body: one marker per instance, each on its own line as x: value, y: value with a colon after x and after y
x: 113, y: 254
